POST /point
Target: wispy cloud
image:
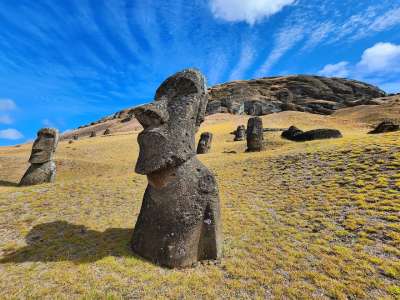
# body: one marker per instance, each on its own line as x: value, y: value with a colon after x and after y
x: 246, y: 58
x: 285, y: 40
x: 6, y: 119
x: 7, y: 105
x: 10, y: 134
x: 250, y: 11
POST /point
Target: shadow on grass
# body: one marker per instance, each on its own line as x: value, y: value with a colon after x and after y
x: 7, y: 183
x: 62, y: 241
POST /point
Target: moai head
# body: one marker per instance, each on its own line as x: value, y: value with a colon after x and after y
x: 254, y: 134
x: 240, y: 133
x: 45, y: 145
x: 93, y: 134
x: 204, y: 145
x: 171, y: 121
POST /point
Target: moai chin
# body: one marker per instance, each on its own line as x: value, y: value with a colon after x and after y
x: 205, y: 141
x: 179, y: 221
x: 42, y: 168
x: 254, y: 134
x: 240, y: 133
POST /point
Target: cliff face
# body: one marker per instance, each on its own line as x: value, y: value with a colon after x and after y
x: 312, y: 94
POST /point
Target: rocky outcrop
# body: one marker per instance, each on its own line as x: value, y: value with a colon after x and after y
x: 314, y: 94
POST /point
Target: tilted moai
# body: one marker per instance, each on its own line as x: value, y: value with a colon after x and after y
x: 205, y: 141
x: 179, y: 221
x: 240, y: 133
x: 42, y: 168
x: 254, y: 134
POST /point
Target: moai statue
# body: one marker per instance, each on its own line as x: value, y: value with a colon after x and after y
x: 93, y: 134
x: 107, y: 131
x: 76, y: 137
x: 240, y: 133
x: 254, y: 134
x: 204, y: 145
x: 179, y: 221
x: 43, y: 168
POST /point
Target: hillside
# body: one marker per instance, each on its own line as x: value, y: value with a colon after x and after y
x: 313, y: 94
x: 314, y: 220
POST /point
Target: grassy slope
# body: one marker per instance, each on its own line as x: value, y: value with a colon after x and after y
x: 310, y: 220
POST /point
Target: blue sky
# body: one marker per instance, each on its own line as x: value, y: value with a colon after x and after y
x: 65, y: 63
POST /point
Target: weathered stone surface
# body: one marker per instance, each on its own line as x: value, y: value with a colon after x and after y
x: 205, y: 141
x: 240, y: 133
x: 313, y: 94
x: 385, y: 126
x: 297, y: 135
x: 254, y: 134
x: 43, y: 168
x: 179, y: 221
x: 76, y: 137
x: 92, y: 134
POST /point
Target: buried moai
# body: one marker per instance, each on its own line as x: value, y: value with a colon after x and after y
x: 42, y: 168
x: 205, y: 141
x: 179, y: 221
x: 254, y: 134
x: 240, y: 133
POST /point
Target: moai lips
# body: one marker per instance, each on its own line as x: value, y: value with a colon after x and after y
x: 205, y: 141
x: 179, y: 221
x: 254, y: 134
x: 43, y: 168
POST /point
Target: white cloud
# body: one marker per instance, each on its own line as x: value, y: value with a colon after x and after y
x: 382, y: 58
x: 379, y: 64
x: 10, y: 134
x: 7, y: 104
x: 5, y: 119
x: 250, y: 11
x: 340, y: 69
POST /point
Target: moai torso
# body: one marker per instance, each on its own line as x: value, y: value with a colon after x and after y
x: 43, y: 168
x: 240, y: 133
x: 254, y: 134
x: 205, y: 141
x: 179, y: 221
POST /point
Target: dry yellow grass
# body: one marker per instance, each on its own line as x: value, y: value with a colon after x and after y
x: 301, y: 220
